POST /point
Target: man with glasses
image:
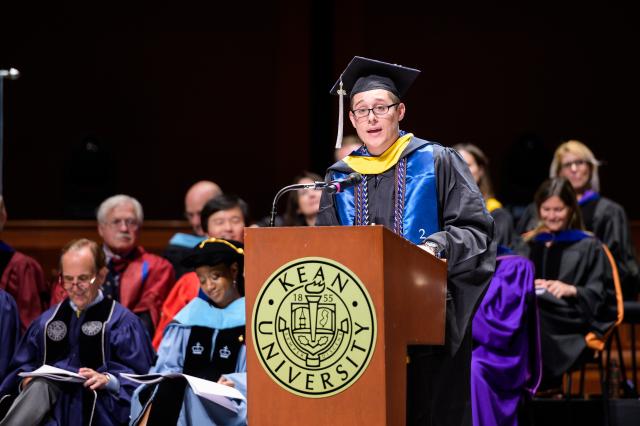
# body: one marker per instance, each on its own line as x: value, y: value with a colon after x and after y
x: 425, y: 193
x: 87, y: 334
x: 138, y: 280
x: 181, y: 244
x: 224, y: 216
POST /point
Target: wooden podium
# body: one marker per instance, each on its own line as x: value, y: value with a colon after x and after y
x: 407, y: 287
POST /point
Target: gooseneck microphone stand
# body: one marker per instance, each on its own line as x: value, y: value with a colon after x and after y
x: 331, y: 187
x: 297, y: 186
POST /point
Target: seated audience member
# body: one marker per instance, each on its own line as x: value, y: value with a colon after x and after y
x: 140, y: 281
x: 206, y: 340
x: 222, y: 217
x: 181, y: 244
x: 22, y: 277
x: 574, y: 281
x: 349, y: 144
x: 504, y: 233
x: 605, y: 218
x: 9, y: 330
x: 302, y: 205
x: 87, y: 334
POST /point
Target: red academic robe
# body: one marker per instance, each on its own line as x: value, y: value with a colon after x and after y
x: 185, y: 290
x: 24, y: 280
x: 144, y: 284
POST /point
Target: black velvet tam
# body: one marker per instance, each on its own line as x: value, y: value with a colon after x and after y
x: 214, y: 251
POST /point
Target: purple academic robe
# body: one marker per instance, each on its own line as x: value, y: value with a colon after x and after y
x: 127, y: 350
x: 9, y: 330
x: 506, y: 363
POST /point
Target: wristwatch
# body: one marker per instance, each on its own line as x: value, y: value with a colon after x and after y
x: 435, y: 248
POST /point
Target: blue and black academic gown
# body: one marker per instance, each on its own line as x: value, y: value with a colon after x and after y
x: 608, y: 221
x: 9, y: 330
x: 439, y: 201
x: 105, y: 337
x: 576, y: 258
x: 202, y: 341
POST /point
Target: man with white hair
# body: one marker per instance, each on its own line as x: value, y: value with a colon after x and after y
x: 21, y: 276
x: 181, y: 244
x: 138, y: 280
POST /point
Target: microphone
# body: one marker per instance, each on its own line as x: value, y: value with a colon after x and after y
x: 10, y: 74
x: 340, y: 185
x: 332, y: 187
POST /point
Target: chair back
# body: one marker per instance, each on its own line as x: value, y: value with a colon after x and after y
x: 594, y: 341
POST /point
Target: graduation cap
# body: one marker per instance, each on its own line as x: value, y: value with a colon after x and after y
x: 363, y: 74
x: 214, y: 251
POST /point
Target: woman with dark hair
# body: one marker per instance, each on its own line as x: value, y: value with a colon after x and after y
x: 205, y: 340
x: 303, y: 205
x: 573, y: 281
x: 503, y: 232
x: 607, y: 219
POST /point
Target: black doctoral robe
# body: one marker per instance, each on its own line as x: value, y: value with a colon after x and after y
x: 440, y: 375
x: 565, y: 322
x: 608, y: 221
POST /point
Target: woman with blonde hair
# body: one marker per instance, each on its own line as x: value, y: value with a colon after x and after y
x: 607, y: 219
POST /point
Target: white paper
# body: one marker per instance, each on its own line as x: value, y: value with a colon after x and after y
x: 55, y: 373
x: 211, y: 391
x: 148, y: 378
x: 540, y: 291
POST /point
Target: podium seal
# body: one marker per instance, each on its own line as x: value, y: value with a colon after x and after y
x: 314, y: 327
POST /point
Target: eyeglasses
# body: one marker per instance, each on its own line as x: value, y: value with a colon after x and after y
x: 570, y: 164
x: 377, y: 110
x: 117, y: 223
x: 81, y: 281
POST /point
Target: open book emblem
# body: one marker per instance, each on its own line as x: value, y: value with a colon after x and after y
x: 225, y: 353
x: 197, y: 349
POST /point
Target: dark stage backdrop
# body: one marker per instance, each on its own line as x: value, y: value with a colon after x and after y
x: 240, y: 96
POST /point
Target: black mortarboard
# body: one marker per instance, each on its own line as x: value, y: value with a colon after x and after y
x: 363, y: 74
x: 214, y: 251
